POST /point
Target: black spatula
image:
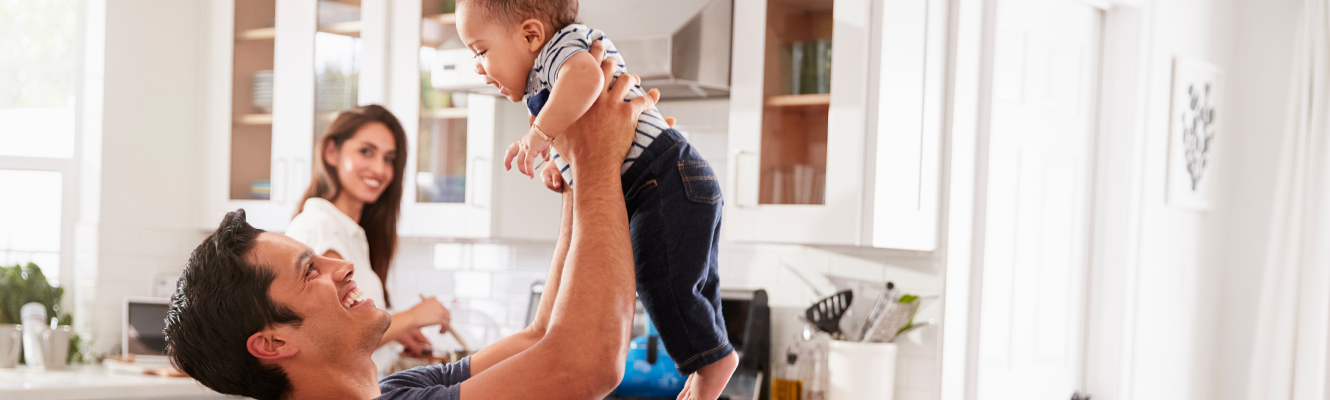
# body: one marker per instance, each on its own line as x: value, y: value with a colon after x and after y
x: 826, y: 313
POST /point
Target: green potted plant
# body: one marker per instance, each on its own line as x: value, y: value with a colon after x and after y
x: 21, y: 285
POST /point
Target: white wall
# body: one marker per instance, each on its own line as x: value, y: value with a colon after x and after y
x: 1178, y: 272
x: 1259, y: 77
x: 1198, y: 270
x: 146, y: 145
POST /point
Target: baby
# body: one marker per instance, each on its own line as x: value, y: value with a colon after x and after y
x: 534, y: 51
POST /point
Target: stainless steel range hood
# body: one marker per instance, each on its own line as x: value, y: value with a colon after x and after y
x: 681, y: 47
x: 693, y: 61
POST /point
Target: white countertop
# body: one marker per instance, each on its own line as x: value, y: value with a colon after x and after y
x: 95, y: 382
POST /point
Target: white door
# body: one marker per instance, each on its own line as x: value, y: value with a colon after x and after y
x: 1045, y: 87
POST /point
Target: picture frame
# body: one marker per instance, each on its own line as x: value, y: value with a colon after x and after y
x: 1194, y: 133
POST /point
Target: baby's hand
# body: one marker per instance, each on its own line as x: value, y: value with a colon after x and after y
x: 525, y: 150
x: 552, y: 178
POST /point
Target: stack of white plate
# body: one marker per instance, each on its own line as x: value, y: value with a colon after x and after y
x: 262, y: 92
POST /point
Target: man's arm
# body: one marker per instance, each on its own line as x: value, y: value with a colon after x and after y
x: 524, y: 339
x: 581, y: 355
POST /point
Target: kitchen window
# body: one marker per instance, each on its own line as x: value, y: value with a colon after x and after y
x: 38, y: 81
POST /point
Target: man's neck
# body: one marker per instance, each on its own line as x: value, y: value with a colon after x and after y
x: 340, y: 379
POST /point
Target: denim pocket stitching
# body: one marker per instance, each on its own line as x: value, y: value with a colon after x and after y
x: 632, y: 194
x: 687, y: 179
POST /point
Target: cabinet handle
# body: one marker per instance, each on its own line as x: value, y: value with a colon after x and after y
x: 277, y: 188
x: 741, y: 199
x: 473, y: 192
x: 299, y: 173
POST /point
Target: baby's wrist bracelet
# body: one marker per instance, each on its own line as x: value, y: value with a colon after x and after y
x: 541, y: 133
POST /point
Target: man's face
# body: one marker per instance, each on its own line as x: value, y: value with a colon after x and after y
x: 337, y: 322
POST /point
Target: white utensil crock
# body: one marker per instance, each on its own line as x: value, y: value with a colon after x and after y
x: 861, y: 371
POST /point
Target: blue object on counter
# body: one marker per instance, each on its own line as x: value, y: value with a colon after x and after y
x: 650, y: 371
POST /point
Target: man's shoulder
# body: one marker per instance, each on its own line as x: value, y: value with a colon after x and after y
x: 427, y: 393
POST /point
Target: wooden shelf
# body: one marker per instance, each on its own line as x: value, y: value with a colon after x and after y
x: 446, y: 19
x: 797, y: 100
x: 444, y: 113
x: 258, y: 34
x: 255, y: 119
x: 349, y: 28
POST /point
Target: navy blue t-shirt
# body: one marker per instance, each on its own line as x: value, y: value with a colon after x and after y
x: 434, y: 382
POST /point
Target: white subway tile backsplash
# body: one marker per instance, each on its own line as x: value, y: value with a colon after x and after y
x: 489, y: 312
x: 452, y: 255
x: 856, y: 268
x: 492, y: 256
x: 472, y: 284
x: 514, y: 284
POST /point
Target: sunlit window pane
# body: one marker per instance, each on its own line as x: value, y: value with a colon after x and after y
x: 30, y: 219
x: 37, y: 77
x: 37, y: 132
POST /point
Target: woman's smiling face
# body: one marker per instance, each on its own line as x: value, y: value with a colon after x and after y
x: 364, y: 162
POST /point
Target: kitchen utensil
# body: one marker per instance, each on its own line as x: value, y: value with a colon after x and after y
x: 826, y: 313
x: 896, y: 317
x: 11, y: 341
x: 911, y: 328
x: 879, y: 306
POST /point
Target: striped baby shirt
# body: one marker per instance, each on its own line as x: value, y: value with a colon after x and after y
x: 568, y: 41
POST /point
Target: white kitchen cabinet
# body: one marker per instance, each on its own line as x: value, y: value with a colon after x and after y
x: 456, y: 186
x: 277, y: 72
x: 839, y: 150
x: 323, y: 56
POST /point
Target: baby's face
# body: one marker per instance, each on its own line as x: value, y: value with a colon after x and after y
x: 505, y: 53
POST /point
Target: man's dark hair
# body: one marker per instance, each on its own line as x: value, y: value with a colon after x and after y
x: 220, y: 301
x: 555, y: 13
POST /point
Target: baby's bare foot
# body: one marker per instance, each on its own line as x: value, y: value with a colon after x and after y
x: 709, y: 381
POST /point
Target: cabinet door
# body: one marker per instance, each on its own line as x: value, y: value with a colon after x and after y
x: 798, y: 120
x: 242, y: 169
x: 451, y: 134
x: 908, y: 94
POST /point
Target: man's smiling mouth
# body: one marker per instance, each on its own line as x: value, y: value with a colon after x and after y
x: 352, y: 297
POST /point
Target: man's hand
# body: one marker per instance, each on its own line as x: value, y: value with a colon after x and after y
x: 606, y: 131
x: 549, y: 175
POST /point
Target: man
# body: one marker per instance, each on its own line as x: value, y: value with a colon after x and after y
x: 257, y: 314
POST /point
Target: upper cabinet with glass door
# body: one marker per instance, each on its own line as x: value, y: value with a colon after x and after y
x: 800, y: 127
x: 246, y: 33
x: 283, y: 69
x: 797, y: 103
x: 454, y: 186
x: 337, y: 49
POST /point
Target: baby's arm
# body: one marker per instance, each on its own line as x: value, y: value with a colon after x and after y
x: 578, y: 83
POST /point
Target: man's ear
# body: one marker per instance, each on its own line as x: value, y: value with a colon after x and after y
x: 533, y: 32
x: 269, y: 345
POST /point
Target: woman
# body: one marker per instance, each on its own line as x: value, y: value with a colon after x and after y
x: 350, y: 212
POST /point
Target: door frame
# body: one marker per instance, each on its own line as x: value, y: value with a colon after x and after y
x: 1116, y: 199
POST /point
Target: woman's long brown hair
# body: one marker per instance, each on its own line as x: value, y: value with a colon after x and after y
x: 378, y: 219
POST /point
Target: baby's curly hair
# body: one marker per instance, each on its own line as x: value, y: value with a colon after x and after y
x: 555, y: 13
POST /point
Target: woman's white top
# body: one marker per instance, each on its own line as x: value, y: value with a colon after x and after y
x: 323, y: 227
